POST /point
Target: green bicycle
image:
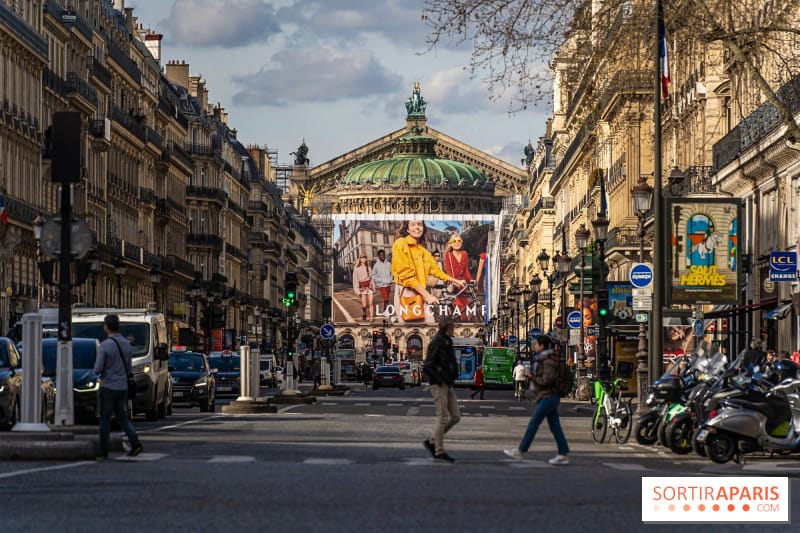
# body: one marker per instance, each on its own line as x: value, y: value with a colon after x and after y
x: 612, y: 411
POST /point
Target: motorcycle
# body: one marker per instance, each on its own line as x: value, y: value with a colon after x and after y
x: 665, y: 390
x: 741, y: 426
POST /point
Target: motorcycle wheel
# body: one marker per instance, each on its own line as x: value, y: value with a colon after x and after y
x: 698, y: 447
x: 645, y: 433
x: 679, y: 435
x: 720, y: 447
x: 661, y: 432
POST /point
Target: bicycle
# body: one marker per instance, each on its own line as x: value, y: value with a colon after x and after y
x: 611, y: 411
x: 447, y: 299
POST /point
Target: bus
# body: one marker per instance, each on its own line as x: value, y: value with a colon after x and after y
x: 469, y: 354
x: 498, y: 367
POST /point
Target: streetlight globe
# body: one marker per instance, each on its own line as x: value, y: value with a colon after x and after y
x: 119, y: 268
x: 536, y: 283
x: 564, y: 262
x: 38, y: 222
x: 600, y: 225
x: 582, y: 238
x: 543, y: 260
x: 641, y: 196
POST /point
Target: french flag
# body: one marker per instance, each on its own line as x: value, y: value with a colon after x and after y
x: 664, y: 61
x: 3, y: 212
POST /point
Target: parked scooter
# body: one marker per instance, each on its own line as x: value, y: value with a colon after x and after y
x: 665, y: 390
x: 741, y: 426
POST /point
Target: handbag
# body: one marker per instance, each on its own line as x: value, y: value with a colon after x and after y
x: 131, y: 381
x: 451, y: 287
x: 411, y: 307
x: 364, y: 284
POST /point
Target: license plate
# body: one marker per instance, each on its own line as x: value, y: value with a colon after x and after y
x: 224, y: 389
x: 701, y: 436
x: 177, y: 394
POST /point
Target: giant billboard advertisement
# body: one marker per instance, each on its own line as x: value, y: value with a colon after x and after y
x: 703, y: 260
x: 413, y: 271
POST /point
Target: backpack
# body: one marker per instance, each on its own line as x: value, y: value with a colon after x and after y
x: 565, y: 384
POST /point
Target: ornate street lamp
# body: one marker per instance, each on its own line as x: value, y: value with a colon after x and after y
x: 94, y: 267
x: 119, y: 271
x: 155, y: 278
x: 641, y: 203
x: 535, y: 285
x: 582, y: 242
x: 600, y: 225
x: 563, y: 261
x: 544, y: 262
x: 38, y: 223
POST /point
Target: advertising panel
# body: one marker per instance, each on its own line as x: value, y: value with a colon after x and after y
x: 703, y: 261
x: 398, y: 270
x: 620, y: 300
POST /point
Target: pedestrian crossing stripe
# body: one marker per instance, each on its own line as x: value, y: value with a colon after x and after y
x: 232, y: 459
x: 142, y: 457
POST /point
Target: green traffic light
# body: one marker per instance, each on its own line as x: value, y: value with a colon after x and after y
x: 290, y: 296
x: 603, y: 311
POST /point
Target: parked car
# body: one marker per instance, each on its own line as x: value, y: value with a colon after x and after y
x: 228, y: 373
x: 11, y: 387
x: 193, y: 380
x: 388, y: 376
x: 85, y: 383
x: 408, y: 372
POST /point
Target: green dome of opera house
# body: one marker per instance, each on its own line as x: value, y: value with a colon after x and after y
x: 415, y: 164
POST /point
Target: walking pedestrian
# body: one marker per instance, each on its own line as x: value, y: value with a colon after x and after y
x: 479, y: 384
x: 753, y: 357
x: 545, y: 371
x: 441, y: 368
x: 316, y: 372
x: 382, y: 276
x: 113, y: 364
x: 520, y: 380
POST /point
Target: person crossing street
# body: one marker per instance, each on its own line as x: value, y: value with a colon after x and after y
x: 441, y: 368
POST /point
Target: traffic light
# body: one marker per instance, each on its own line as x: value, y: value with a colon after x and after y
x: 395, y: 349
x: 290, y: 286
x: 217, y: 317
x: 602, y: 303
x: 502, y: 340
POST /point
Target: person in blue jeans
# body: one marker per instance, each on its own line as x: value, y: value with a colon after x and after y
x: 545, y: 371
x: 113, y: 372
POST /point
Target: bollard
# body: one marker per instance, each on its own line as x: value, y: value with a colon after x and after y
x: 245, y: 381
x: 65, y: 414
x: 31, y: 400
x: 255, y: 375
x: 288, y: 381
x: 337, y: 371
x: 324, y: 373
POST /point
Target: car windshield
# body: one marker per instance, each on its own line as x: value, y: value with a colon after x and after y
x: 224, y: 363
x: 137, y: 333
x: 83, y: 355
x: 186, y: 362
x: 388, y: 370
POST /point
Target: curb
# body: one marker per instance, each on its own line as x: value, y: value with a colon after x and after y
x: 49, y: 450
x: 291, y: 399
x: 240, y: 407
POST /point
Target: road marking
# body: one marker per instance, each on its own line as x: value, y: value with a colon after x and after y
x: 328, y: 403
x: 394, y: 405
x: 486, y: 406
x: 43, y: 469
x: 173, y: 426
x: 626, y: 466
x: 427, y: 405
x: 412, y: 411
x: 141, y: 458
x: 348, y: 318
x: 371, y: 414
x: 528, y: 464
x: 362, y: 404
x: 770, y: 467
x: 232, y: 459
x: 326, y: 461
x: 516, y: 408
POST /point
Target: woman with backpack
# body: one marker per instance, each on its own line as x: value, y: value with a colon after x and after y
x: 545, y: 379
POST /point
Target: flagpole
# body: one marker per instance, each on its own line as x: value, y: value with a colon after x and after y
x: 659, y: 280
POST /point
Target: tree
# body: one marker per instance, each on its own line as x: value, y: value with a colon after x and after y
x: 515, y: 41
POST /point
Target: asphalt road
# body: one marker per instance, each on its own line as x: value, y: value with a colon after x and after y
x: 356, y: 463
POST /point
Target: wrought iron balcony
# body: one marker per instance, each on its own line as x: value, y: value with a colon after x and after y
x: 76, y: 84
x: 125, y: 62
x: 235, y: 251
x: 127, y: 121
x: 199, y: 149
x: 54, y: 82
x: 257, y: 206
x: 177, y: 151
x: 202, y: 239
x: 622, y: 238
x: 162, y: 211
x: 147, y: 195
x: 20, y: 28
x: 153, y: 137
x: 211, y: 193
x: 99, y: 71
x: 236, y: 208
x: 97, y: 127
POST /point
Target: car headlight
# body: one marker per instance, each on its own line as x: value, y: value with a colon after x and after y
x: 200, y: 382
x: 2, y: 387
x: 175, y: 380
x: 89, y: 386
x: 146, y: 369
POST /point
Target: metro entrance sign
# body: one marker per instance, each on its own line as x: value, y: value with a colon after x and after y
x: 641, y: 275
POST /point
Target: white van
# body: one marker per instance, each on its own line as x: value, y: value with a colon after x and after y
x: 146, y: 330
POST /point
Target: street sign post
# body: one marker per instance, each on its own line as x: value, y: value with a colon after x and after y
x: 574, y: 320
x: 641, y: 275
x: 513, y: 340
x: 593, y: 330
x: 641, y: 317
x: 327, y: 331
x: 535, y: 332
x: 698, y: 329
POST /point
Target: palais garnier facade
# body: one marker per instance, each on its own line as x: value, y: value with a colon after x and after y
x: 360, y: 200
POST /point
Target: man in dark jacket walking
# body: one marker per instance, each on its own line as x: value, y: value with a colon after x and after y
x: 441, y: 368
x: 753, y: 357
x: 545, y: 373
x: 110, y: 367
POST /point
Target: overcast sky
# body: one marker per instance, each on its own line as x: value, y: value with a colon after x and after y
x: 335, y: 72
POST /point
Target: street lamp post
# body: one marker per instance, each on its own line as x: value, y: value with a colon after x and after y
x: 242, y: 316
x: 564, y: 261
x: 155, y: 278
x: 119, y: 271
x: 535, y: 284
x: 641, y: 202
x: 194, y: 297
x: 600, y: 225
x: 543, y: 259
x: 582, y: 242
x: 525, y: 294
x: 38, y: 222
x: 94, y: 268
x: 256, y: 314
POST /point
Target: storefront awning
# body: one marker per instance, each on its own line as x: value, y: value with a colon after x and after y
x: 779, y: 312
x: 726, y: 311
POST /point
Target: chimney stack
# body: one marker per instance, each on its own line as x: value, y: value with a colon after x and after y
x: 178, y: 72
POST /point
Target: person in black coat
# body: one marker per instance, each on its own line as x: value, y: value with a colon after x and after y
x: 441, y: 368
x: 753, y: 357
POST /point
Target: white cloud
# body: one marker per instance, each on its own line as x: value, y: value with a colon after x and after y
x: 221, y: 23
x: 315, y: 74
x: 512, y: 152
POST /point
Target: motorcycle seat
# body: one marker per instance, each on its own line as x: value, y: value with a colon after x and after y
x: 775, y: 409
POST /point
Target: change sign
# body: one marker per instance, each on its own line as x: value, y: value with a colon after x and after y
x: 782, y: 266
